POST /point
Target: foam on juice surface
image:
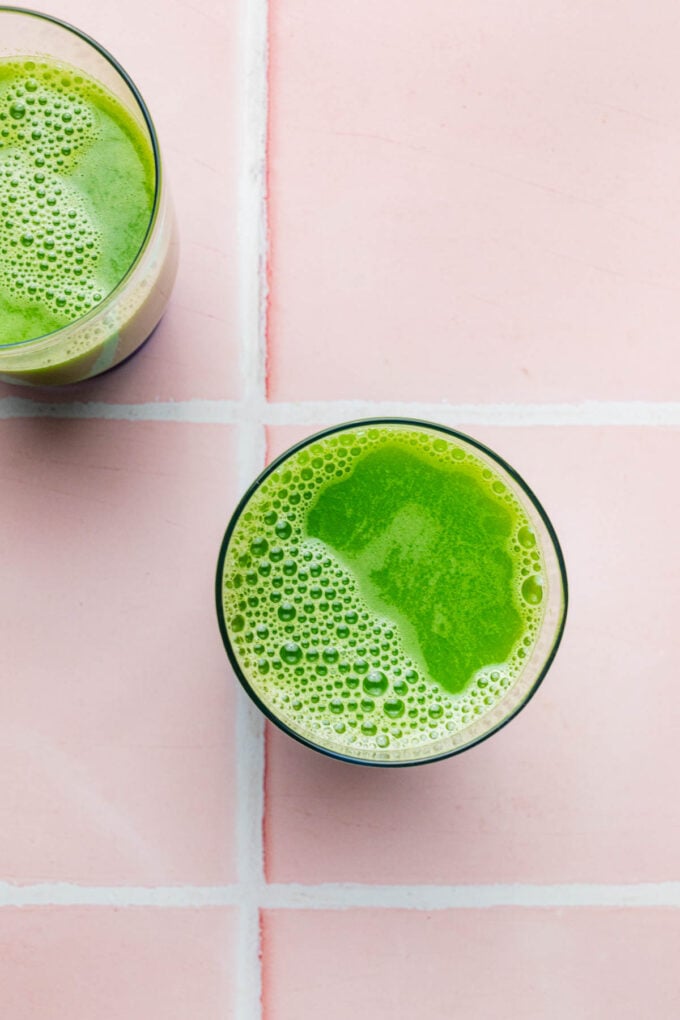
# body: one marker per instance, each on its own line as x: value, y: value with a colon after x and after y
x: 382, y: 588
x: 77, y: 185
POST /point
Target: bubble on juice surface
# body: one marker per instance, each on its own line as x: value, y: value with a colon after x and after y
x: 337, y: 672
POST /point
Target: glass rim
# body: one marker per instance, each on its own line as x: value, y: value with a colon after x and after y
x: 55, y: 334
x: 367, y: 422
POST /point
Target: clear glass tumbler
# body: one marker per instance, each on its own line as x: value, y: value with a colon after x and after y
x: 113, y: 329
x: 316, y: 650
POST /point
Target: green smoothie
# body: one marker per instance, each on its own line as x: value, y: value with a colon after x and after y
x: 382, y: 589
x: 77, y: 187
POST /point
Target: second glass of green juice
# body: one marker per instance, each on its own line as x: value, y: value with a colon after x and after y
x: 390, y: 592
x: 88, y: 245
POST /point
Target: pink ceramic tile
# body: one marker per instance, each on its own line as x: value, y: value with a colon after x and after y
x: 474, y: 201
x: 115, y: 964
x: 116, y: 700
x: 281, y: 437
x: 581, y: 786
x: 183, y: 57
x: 481, y: 965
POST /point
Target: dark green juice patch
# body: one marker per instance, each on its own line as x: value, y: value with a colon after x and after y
x: 428, y: 543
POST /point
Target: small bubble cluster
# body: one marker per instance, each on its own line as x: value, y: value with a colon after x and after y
x: 49, y: 246
x: 311, y: 647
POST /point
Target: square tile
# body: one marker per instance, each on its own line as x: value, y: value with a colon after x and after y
x: 89, y: 962
x: 478, y: 204
x: 117, y: 700
x: 581, y: 785
x: 477, y: 964
x: 193, y: 94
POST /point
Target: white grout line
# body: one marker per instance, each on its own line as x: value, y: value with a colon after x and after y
x: 248, y: 414
x: 250, y: 852
x: 343, y: 896
x: 194, y: 411
x: 252, y: 225
x: 347, y: 896
x: 328, y: 412
x: 588, y: 412
x: 66, y: 894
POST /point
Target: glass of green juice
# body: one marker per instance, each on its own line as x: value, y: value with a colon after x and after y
x: 88, y: 242
x: 390, y: 592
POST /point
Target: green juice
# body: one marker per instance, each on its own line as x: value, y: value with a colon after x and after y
x: 383, y: 589
x: 77, y: 187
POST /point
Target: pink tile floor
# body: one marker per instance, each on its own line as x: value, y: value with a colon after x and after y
x: 110, y: 964
x: 472, y: 215
x: 111, y: 555
x: 486, y: 964
x: 570, y: 791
